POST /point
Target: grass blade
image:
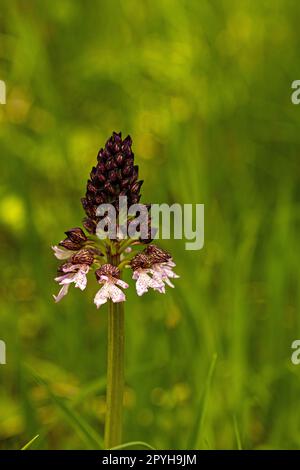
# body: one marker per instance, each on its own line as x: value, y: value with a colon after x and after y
x: 195, y: 440
x: 133, y: 445
x: 237, y: 434
x: 29, y: 444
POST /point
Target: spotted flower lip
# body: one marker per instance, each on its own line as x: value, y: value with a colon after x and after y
x: 144, y: 281
x: 164, y: 272
x: 108, y: 276
x: 71, y: 273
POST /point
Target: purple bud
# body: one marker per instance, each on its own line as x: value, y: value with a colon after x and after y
x: 101, y: 177
x: 93, y: 171
x: 124, y: 183
x: 100, y: 155
x: 113, y: 175
x: 109, y: 145
x: 127, y: 141
x: 109, y: 187
x: 107, y: 270
x: 141, y: 261
x: 135, y: 198
x: 157, y: 254
x: 83, y: 257
x: 89, y: 225
x: 116, y: 148
x: 70, y: 245
x: 106, y: 154
x: 135, y: 188
x: 135, y: 174
x: 126, y: 170
x: 84, y: 203
x: 91, y: 187
x: 101, y: 168
x: 76, y: 235
x: 99, y: 199
x: 110, y: 164
x: 119, y: 159
x: 117, y: 137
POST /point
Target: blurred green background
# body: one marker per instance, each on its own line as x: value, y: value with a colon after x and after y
x: 203, y: 87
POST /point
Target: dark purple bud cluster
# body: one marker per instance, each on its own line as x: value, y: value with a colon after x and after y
x: 115, y: 175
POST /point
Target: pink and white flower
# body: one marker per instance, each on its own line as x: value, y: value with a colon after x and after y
x: 73, y: 273
x: 153, y: 268
x: 144, y: 281
x: 164, y: 271
x: 108, y: 275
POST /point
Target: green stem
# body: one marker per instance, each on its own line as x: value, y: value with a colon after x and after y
x: 126, y: 261
x: 115, y: 371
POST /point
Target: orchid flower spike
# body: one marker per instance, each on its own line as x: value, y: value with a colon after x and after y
x: 114, y: 175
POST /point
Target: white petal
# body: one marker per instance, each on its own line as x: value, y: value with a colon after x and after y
x: 110, y: 291
x: 169, y: 273
x: 116, y: 294
x: 162, y: 273
x: 103, y: 279
x: 144, y: 281
x: 167, y: 281
x: 136, y: 274
x: 63, y: 291
x: 71, y: 268
x: 171, y: 263
x: 80, y: 279
x: 61, y: 253
x: 160, y: 287
x: 102, y: 296
x: 122, y: 284
x: 64, y: 279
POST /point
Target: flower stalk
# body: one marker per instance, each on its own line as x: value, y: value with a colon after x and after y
x: 115, y: 369
x: 115, y: 375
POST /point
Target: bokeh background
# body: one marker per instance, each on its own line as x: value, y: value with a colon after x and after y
x: 203, y: 87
